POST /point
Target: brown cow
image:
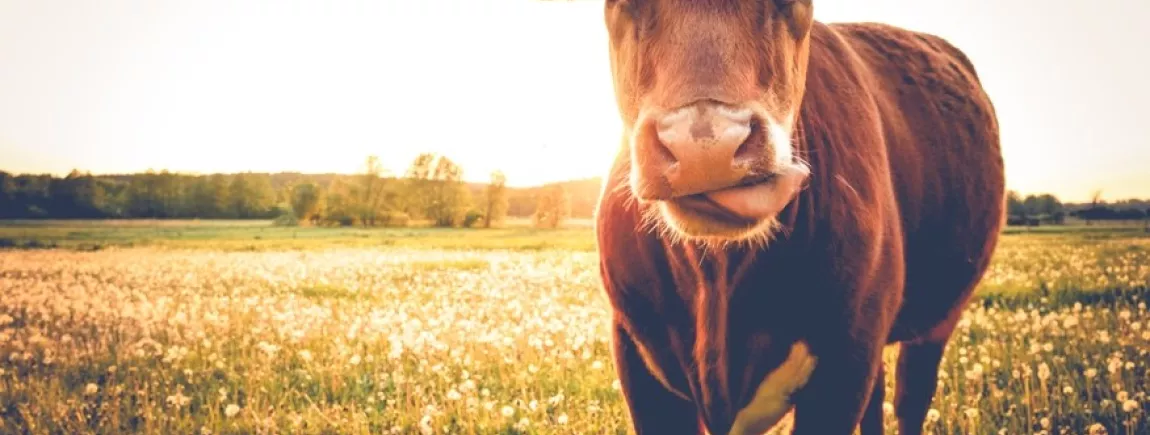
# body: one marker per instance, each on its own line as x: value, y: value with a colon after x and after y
x: 790, y: 196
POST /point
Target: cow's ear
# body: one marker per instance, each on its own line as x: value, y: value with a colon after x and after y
x: 798, y: 13
x: 787, y: 5
x: 626, y: 6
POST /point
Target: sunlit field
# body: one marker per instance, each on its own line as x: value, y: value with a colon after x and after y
x: 238, y: 235
x: 482, y: 331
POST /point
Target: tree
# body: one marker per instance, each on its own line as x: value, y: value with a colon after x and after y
x: 1031, y: 204
x: 76, y: 195
x: 305, y: 202
x: 169, y: 193
x: 8, y: 202
x: 553, y: 205
x: 435, y: 190
x: 1050, y: 207
x: 1096, y: 198
x: 143, y: 196
x: 420, y: 168
x: 209, y: 197
x: 415, y: 185
x: 496, y: 200
x: 250, y: 195
x: 1014, y: 205
x: 337, y: 204
x: 450, y: 198
x: 370, y: 196
x: 1096, y: 206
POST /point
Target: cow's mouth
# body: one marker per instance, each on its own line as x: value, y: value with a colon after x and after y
x: 739, y: 211
x: 736, y: 204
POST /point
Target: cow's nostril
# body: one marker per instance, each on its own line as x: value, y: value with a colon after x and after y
x: 753, y: 146
x: 659, y: 152
x: 662, y: 154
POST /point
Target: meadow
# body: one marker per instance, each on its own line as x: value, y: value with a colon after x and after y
x: 239, y: 327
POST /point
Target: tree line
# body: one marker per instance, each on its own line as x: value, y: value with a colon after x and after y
x: 432, y: 190
x: 1038, y: 209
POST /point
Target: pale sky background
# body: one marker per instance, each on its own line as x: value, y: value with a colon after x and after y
x: 519, y: 85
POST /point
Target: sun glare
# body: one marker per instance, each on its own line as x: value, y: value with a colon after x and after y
x: 517, y: 85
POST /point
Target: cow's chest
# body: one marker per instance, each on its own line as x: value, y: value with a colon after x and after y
x: 702, y: 332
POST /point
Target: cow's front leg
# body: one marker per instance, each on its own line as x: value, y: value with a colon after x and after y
x: 832, y: 402
x: 653, y: 408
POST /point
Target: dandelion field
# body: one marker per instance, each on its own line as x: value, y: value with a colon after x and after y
x: 505, y: 337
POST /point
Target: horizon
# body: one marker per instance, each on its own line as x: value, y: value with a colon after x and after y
x: 393, y: 176
x: 214, y: 87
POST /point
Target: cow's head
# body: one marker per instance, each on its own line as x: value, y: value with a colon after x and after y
x: 709, y: 91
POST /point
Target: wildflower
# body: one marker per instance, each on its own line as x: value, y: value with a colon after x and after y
x: 1129, y: 406
x: 232, y: 410
x: 507, y: 411
x: 932, y: 416
x: 267, y: 348
x: 454, y: 395
x: 1114, y: 366
x: 178, y: 400
x: 91, y: 389
x: 1043, y: 372
x: 975, y: 372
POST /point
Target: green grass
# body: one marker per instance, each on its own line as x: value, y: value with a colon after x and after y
x: 262, y: 236
x: 502, y: 331
x: 258, y: 235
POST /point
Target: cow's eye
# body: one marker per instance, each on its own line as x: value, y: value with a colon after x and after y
x: 785, y: 3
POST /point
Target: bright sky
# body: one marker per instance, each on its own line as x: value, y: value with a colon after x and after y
x: 517, y: 85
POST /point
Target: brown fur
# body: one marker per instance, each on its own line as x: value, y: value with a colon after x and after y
x: 895, y: 228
